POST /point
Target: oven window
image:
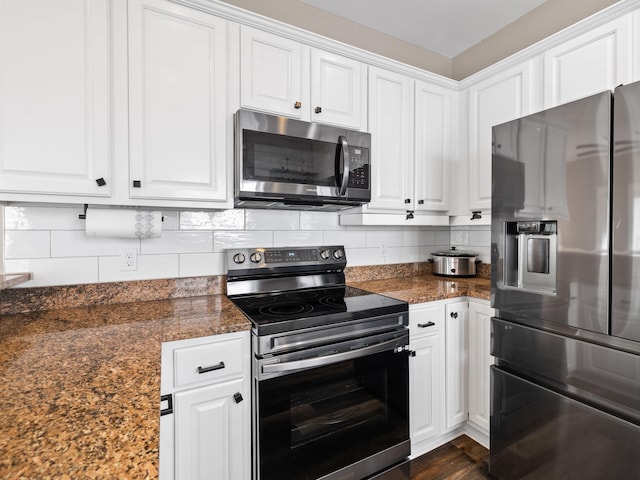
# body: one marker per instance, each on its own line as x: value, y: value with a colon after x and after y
x: 269, y: 157
x: 317, y: 421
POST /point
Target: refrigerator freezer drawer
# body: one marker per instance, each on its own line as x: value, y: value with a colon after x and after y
x: 538, y: 434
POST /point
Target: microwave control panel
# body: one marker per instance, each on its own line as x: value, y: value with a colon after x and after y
x: 359, y: 173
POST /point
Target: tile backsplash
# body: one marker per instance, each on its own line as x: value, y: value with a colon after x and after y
x: 51, y: 243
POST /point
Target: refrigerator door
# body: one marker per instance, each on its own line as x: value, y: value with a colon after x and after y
x: 553, y: 167
x: 625, y: 300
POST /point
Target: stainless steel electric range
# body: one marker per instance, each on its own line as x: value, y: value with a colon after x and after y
x: 330, y: 393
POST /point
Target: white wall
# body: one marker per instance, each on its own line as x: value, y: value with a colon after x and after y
x: 51, y: 243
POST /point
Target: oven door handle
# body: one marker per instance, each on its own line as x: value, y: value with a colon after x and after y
x: 336, y: 357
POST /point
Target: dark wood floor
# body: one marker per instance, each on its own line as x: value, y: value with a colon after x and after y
x: 462, y: 458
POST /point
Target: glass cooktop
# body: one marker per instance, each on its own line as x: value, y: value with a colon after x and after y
x: 288, y: 311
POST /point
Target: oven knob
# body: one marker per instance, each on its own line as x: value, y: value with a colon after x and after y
x: 338, y: 254
x: 256, y: 257
x: 324, y: 254
x: 239, y: 258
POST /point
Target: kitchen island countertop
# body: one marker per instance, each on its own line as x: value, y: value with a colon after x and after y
x: 81, y: 386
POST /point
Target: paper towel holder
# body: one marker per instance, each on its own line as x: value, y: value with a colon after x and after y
x: 83, y: 216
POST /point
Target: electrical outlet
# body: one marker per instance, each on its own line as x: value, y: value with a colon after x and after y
x: 128, y: 259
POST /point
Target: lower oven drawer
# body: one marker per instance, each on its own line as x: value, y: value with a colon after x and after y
x: 537, y: 433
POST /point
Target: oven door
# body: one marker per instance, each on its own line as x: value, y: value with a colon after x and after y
x: 348, y: 418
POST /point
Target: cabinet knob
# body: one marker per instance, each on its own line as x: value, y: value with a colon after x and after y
x: 318, y: 109
x: 297, y: 105
x: 137, y: 183
x: 101, y: 182
x: 454, y: 314
x: 420, y: 202
x: 237, y: 397
x: 412, y: 353
x: 407, y: 200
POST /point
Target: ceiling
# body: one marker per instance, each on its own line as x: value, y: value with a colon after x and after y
x: 446, y: 27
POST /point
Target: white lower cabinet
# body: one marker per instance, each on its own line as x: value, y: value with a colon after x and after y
x: 480, y: 361
x: 426, y: 379
x: 456, y: 351
x: 449, y: 387
x: 208, y: 433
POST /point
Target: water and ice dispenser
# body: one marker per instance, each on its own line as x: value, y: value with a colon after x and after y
x: 530, y: 256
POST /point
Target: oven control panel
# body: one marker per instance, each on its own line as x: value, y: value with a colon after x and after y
x: 255, y: 258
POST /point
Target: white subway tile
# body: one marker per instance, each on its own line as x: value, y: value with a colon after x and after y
x: 202, y: 264
x: 56, y: 271
x: 357, y: 257
x: 43, y: 218
x: 272, y: 219
x: 297, y: 238
x: 222, y: 220
x: 480, y: 238
x: 384, y: 238
x: 320, y: 221
x: 27, y: 244
x: 402, y: 254
x: 170, y: 220
x: 77, y: 244
x: 443, y: 237
x: 241, y: 239
x: 350, y: 239
x: 149, y: 267
x: 178, y: 242
x: 459, y: 237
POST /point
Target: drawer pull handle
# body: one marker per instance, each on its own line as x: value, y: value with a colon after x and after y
x: 219, y: 366
x: 425, y: 325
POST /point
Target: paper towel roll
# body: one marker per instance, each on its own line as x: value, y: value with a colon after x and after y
x: 123, y: 223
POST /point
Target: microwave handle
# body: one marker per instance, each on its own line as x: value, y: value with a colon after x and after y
x: 346, y: 164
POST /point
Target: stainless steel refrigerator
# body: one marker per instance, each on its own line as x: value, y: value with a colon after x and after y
x: 565, y: 283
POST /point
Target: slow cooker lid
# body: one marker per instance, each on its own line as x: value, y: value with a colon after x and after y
x: 453, y: 252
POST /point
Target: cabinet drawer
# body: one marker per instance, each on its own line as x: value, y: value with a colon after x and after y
x: 208, y: 362
x: 425, y: 320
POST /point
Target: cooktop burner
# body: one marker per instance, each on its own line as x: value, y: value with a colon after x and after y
x: 279, y: 312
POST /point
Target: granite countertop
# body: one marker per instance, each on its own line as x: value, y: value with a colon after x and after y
x: 81, y: 386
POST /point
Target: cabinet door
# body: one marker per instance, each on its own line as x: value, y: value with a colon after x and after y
x: 480, y: 361
x: 498, y: 99
x: 425, y: 388
x: 456, y: 351
x: 391, y: 127
x: 209, y: 430
x: 338, y: 90
x: 54, y: 97
x: 434, y: 129
x: 177, y: 102
x: 274, y: 74
x: 591, y: 63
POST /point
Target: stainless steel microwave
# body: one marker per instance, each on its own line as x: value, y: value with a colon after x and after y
x: 286, y: 163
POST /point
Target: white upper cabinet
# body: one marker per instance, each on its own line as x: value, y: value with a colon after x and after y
x: 54, y: 98
x: 177, y: 103
x: 391, y: 126
x: 274, y: 74
x: 492, y: 101
x: 435, y: 125
x: 285, y: 77
x: 590, y: 63
x: 338, y: 90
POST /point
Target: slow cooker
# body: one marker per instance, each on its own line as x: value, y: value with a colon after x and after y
x: 455, y: 263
